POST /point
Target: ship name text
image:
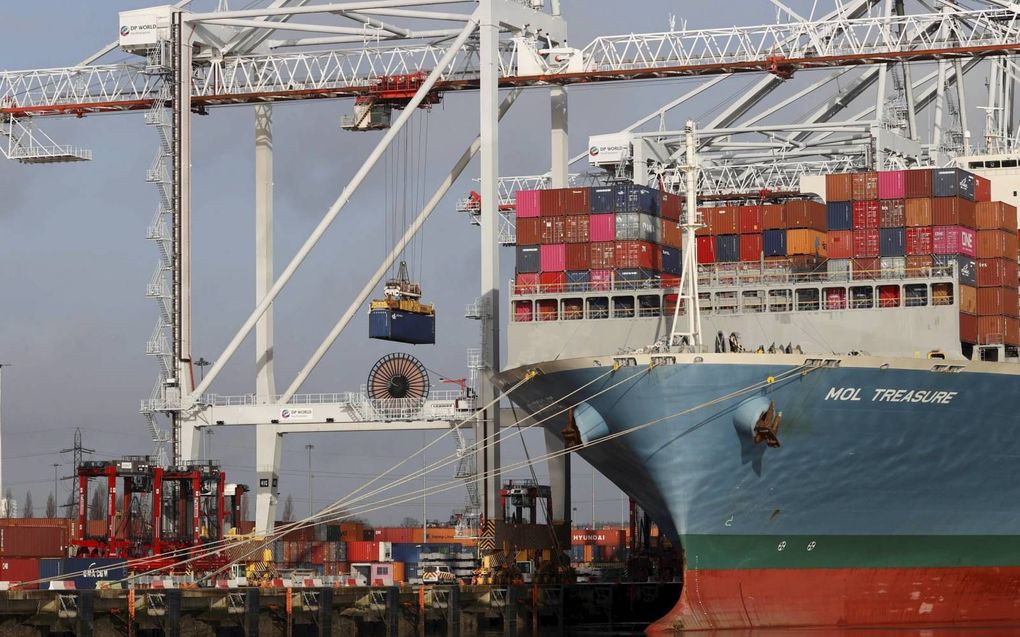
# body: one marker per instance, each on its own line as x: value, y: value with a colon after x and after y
x: 883, y: 395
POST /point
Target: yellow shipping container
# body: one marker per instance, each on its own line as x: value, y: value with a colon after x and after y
x: 805, y: 241
x: 968, y: 299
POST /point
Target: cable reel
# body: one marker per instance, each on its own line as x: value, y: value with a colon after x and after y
x: 398, y: 376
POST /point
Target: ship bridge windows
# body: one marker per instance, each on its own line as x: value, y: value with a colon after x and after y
x: 862, y: 297
x: 649, y: 305
x: 915, y: 294
x: 752, y: 301
x: 598, y: 307
x: 807, y: 299
x: 623, y: 307
x: 780, y: 300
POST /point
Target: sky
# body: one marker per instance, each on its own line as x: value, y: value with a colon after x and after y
x: 74, y: 261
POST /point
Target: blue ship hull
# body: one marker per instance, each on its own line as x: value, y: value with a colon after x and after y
x: 883, y: 465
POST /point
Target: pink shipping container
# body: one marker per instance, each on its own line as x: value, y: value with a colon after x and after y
x: 602, y: 228
x: 891, y: 184
x: 527, y: 204
x: 601, y: 280
x: 553, y: 258
x: 954, y: 240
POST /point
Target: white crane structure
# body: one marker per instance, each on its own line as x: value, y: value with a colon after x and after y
x: 292, y: 50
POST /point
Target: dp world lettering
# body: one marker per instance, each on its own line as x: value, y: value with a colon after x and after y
x: 883, y: 395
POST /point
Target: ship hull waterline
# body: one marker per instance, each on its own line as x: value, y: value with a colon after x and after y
x: 889, y: 501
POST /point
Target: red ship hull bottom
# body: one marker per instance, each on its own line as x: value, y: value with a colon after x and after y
x: 845, y: 597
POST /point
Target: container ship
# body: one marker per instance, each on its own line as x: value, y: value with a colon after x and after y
x: 840, y: 451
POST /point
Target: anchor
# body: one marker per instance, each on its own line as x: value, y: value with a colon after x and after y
x: 767, y: 427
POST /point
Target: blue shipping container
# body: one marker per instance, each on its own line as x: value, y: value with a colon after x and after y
x: 85, y: 572
x: 529, y: 259
x: 952, y: 182
x: 407, y: 553
x: 403, y: 327
x: 670, y: 260
x: 966, y: 267
x: 635, y: 198
x: 727, y: 248
x: 577, y: 281
x: 603, y: 199
x: 893, y: 242
x: 636, y: 277
x: 840, y: 215
x: 774, y: 243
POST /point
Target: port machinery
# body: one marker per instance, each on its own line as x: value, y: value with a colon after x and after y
x: 192, y: 62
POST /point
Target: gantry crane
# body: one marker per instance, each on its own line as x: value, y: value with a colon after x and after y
x: 194, y: 62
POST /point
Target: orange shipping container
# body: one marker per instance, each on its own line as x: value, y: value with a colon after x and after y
x: 672, y: 235
x: 993, y: 244
x: 995, y: 215
x: 918, y: 264
x: 1012, y: 331
x: 725, y: 220
x: 398, y: 572
x: 864, y: 186
x: 529, y: 230
x: 839, y: 187
x: 968, y: 299
x: 806, y: 214
x: 991, y: 330
x: 705, y: 217
x: 773, y: 217
x: 952, y: 211
x: 806, y: 242
x: 918, y: 212
x: 990, y: 301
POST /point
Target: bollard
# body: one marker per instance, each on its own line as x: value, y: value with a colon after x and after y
x: 86, y: 614
x: 172, y: 627
x: 392, y: 611
x: 251, y: 613
x: 453, y: 613
x: 325, y: 612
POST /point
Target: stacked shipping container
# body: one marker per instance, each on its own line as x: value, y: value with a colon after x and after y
x: 586, y: 238
x: 792, y: 232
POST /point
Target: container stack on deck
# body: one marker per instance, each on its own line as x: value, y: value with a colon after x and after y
x: 575, y: 239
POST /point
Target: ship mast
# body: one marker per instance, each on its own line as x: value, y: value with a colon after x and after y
x: 687, y: 297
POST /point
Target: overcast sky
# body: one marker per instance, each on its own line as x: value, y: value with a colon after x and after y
x: 74, y: 261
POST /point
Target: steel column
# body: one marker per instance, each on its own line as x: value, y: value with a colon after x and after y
x: 265, y: 382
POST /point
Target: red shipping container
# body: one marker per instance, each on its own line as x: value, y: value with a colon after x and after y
x: 918, y: 212
x: 635, y: 254
x: 919, y: 241
x: 529, y: 230
x: 576, y: 201
x: 750, y: 219
x: 526, y: 283
x: 954, y: 240
x: 996, y: 272
x: 996, y: 243
x: 706, y: 249
x: 968, y: 328
x: 318, y: 553
x: 864, y: 186
x: 806, y: 214
x: 995, y: 215
x: 670, y: 206
x: 552, y: 229
x: 773, y: 217
x: 672, y: 235
x: 14, y: 569
x: 601, y: 280
x: 750, y: 247
x: 953, y: 211
x: 576, y: 229
x: 891, y: 184
x: 982, y: 189
x: 891, y: 213
x: 602, y: 228
x: 725, y: 220
x: 579, y: 256
x: 838, y: 187
x: 552, y: 282
x: 1012, y: 331
x: 917, y: 183
x: 553, y: 258
x: 363, y: 551
x: 527, y: 204
x: 866, y: 243
x: 991, y: 300
x: 991, y: 330
x: 670, y: 281
x: 841, y: 244
x: 918, y: 265
x: 34, y: 541
x: 603, y: 254
x: 866, y: 215
x: 866, y: 268
x: 551, y: 203
x: 524, y: 311
x: 1011, y: 304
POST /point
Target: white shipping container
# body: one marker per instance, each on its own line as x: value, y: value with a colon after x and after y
x: 839, y: 269
x: 893, y: 266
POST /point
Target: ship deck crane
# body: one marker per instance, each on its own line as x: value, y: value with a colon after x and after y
x: 517, y: 47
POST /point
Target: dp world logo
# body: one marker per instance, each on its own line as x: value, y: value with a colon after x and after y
x: 285, y: 413
x: 125, y: 30
x: 593, y: 151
